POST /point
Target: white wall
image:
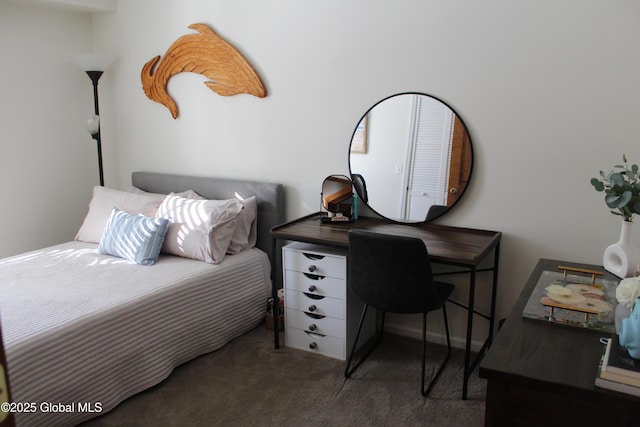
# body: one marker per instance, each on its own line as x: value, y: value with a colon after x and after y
x: 48, y: 162
x: 549, y: 91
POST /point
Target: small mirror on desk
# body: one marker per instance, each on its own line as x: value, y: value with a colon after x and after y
x: 338, y: 199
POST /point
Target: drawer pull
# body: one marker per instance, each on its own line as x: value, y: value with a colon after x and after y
x: 312, y: 308
x: 312, y: 256
x: 313, y: 296
x: 313, y: 327
x: 313, y: 345
x: 312, y: 288
x: 313, y: 268
x: 314, y: 316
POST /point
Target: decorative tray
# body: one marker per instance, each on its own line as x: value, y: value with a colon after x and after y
x: 574, y: 300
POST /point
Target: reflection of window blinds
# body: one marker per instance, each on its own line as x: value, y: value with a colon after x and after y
x: 433, y: 133
x: 447, y: 166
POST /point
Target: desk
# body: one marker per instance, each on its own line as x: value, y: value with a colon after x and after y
x: 542, y: 373
x: 460, y: 247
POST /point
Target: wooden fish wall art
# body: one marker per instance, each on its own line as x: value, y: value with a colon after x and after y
x: 203, y: 53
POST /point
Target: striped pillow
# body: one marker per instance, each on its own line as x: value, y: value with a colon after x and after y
x: 133, y: 237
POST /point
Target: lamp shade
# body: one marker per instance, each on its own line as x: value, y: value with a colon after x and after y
x: 93, y: 124
x: 93, y: 61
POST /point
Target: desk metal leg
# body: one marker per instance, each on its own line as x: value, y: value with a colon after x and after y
x: 469, y: 365
x: 274, y: 294
x: 494, y: 292
x: 467, y: 350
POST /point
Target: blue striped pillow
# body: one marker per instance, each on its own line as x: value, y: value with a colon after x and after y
x: 133, y: 237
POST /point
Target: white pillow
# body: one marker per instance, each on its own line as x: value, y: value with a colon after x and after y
x: 245, y: 235
x: 198, y: 228
x: 190, y: 194
x: 102, y: 203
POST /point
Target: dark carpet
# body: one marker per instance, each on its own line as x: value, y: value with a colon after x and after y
x: 249, y: 383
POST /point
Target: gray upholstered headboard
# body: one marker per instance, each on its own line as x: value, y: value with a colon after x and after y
x: 270, y: 196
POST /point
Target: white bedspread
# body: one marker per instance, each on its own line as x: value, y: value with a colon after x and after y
x: 90, y: 330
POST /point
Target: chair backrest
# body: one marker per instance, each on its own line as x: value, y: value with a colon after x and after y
x: 435, y: 211
x: 360, y: 186
x: 391, y: 273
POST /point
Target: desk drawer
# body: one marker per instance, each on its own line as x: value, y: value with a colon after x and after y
x: 309, y: 322
x: 326, y: 306
x: 315, y: 285
x: 315, y: 343
x: 314, y: 262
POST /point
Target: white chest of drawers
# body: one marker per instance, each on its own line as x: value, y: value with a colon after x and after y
x: 319, y: 316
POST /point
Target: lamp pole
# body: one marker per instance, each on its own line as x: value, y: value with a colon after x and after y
x: 94, y: 65
x: 95, y: 76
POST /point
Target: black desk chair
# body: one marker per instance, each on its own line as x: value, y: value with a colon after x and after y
x: 360, y: 186
x: 435, y: 211
x: 393, y: 273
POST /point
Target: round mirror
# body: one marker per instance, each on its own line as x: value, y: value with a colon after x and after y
x: 410, y: 157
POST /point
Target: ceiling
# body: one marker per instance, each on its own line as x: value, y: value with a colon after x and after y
x: 87, y: 6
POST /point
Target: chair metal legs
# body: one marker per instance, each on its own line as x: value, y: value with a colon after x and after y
x: 348, y: 370
x: 425, y: 391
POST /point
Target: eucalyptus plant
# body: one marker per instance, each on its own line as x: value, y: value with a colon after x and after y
x: 621, y: 189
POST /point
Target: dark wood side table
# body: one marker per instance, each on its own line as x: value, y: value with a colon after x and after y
x: 543, y: 373
x: 465, y: 248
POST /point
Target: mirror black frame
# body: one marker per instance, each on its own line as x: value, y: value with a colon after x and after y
x: 438, y: 210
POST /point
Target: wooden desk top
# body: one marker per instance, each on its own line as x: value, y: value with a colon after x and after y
x: 446, y: 244
x: 548, y: 354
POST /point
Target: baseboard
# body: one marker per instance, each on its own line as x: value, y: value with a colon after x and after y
x: 416, y: 333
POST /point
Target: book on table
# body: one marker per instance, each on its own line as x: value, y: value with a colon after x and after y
x: 616, y: 386
x: 620, y: 362
x: 612, y: 372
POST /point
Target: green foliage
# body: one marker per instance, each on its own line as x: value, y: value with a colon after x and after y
x: 621, y: 189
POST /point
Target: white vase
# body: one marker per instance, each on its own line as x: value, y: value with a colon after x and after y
x: 622, y: 257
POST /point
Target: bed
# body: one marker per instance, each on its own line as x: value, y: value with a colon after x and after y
x: 84, y: 330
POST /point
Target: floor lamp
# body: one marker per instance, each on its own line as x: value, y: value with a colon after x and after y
x: 94, y: 65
